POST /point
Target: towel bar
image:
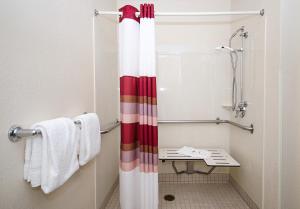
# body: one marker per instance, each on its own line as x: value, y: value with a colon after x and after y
x: 17, y: 133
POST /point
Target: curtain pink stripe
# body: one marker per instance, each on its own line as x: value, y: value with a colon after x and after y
x: 144, y: 157
x: 145, y: 168
x: 129, y: 108
x: 129, y: 166
x: 148, y: 169
x: 147, y: 120
x: 142, y: 109
x: 129, y: 156
x: 141, y: 119
x: 129, y: 118
x: 148, y: 158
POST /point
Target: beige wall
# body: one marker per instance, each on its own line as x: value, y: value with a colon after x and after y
x: 107, y: 100
x: 245, y: 147
x: 290, y: 74
x: 47, y: 71
x: 260, y: 172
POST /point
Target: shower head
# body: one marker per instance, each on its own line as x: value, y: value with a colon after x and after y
x: 225, y: 47
x: 241, y: 29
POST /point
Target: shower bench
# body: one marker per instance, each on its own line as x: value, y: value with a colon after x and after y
x: 218, y: 158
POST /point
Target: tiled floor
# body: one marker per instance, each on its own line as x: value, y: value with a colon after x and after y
x: 193, y: 196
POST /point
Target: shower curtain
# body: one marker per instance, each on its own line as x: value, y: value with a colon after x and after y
x: 139, y: 139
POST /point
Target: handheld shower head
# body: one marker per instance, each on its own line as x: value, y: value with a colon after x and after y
x: 225, y: 47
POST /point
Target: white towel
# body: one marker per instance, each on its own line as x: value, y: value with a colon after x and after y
x: 89, y: 137
x: 32, y: 167
x: 192, y: 152
x: 51, y: 159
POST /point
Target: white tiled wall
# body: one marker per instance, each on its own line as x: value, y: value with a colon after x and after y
x: 193, y: 79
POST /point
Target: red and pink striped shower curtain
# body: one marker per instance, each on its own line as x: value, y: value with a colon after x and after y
x: 139, y: 139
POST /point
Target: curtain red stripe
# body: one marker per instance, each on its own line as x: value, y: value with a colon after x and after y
x: 128, y: 12
x: 128, y: 85
x: 142, y: 86
x: 128, y: 133
x: 147, y: 11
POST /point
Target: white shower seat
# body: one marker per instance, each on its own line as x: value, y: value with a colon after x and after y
x: 218, y: 157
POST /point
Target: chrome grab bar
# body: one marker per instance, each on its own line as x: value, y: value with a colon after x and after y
x: 17, y: 133
x: 217, y: 121
x: 110, y: 128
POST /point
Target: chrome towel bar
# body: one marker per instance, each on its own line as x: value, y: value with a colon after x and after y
x: 17, y: 133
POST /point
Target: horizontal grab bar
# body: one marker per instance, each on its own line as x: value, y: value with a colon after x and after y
x: 17, y: 133
x: 217, y: 121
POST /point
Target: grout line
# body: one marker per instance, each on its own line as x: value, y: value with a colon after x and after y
x: 244, y: 195
x: 109, y: 194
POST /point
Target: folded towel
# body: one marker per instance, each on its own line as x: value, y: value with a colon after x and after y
x: 34, y: 152
x: 192, y: 152
x: 89, y: 137
x: 32, y: 165
x: 51, y: 159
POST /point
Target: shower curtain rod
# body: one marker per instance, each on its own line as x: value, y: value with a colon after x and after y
x: 260, y: 12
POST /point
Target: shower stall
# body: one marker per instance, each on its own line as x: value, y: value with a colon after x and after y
x: 226, y: 72
x: 195, y: 85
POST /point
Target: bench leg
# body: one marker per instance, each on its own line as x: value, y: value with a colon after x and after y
x: 190, y: 169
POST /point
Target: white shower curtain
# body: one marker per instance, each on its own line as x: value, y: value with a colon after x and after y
x: 139, y: 138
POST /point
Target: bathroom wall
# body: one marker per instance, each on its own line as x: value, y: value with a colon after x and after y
x: 47, y: 71
x: 107, y: 100
x: 245, y: 147
x: 290, y: 75
x: 258, y: 154
x: 193, y: 78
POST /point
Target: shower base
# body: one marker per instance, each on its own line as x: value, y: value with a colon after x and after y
x: 214, y: 193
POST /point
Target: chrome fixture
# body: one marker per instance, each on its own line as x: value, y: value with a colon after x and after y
x: 241, y: 107
x: 229, y: 48
x: 260, y: 12
x: 17, y: 133
x: 217, y: 121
